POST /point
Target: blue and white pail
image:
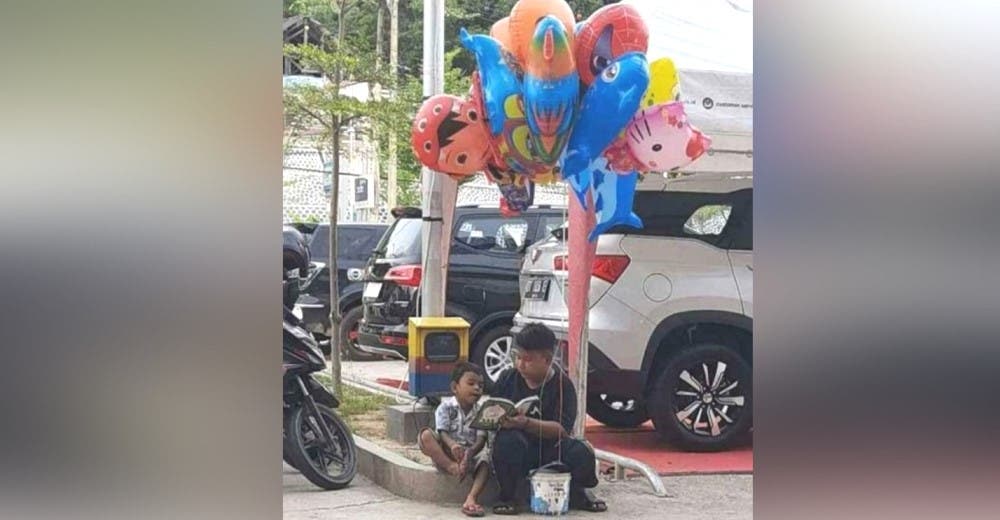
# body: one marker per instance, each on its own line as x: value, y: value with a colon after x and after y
x: 549, y: 491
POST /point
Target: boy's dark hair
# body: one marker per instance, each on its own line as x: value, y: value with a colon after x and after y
x: 536, y: 337
x: 463, y: 367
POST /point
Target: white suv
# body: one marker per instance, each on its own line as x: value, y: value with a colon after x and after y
x: 671, y: 311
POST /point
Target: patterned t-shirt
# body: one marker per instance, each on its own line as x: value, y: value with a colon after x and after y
x: 449, y: 418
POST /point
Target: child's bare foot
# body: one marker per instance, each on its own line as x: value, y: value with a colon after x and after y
x: 454, y: 469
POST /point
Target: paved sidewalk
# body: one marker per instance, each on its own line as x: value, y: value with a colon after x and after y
x: 711, y: 497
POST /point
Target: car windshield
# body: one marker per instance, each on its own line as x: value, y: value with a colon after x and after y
x: 319, y: 245
x: 403, y: 239
x: 561, y: 232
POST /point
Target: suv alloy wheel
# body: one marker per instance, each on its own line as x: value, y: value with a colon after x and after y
x: 492, y: 351
x: 703, y: 399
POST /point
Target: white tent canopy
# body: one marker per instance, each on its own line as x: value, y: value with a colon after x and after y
x: 711, y: 42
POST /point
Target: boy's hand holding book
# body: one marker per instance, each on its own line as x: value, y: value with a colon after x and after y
x: 497, y: 412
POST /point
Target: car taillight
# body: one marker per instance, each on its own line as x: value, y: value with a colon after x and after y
x: 610, y: 267
x: 606, y: 267
x: 408, y: 275
x: 394, y: 340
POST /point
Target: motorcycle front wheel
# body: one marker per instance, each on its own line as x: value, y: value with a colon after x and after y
x: 328, y: 465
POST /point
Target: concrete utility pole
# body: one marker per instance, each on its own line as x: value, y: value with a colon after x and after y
x: 376, y: 92
x: 391, y: 179
x: 439, y: 191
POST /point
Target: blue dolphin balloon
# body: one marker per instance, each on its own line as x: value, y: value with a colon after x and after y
x: 613, y: 198
x: 499, y: 81
x: 607, y: 106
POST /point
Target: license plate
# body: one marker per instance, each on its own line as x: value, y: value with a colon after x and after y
x: 536, y: 289
x: 372, y: 290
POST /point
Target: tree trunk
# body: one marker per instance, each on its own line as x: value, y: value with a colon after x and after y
x: 378, y: 36
x: 335, y: 317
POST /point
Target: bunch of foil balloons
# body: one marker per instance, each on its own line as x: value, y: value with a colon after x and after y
x: 555, y: 100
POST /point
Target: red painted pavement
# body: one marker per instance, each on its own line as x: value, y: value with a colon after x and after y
x: 644, y: 444
x: 394, y: 383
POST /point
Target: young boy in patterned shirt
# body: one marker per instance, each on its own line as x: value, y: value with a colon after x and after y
x: 454, y: 446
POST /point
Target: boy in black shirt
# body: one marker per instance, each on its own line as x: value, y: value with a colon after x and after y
x: 540, y: 436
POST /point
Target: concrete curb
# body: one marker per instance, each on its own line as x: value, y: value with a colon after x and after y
x: 408, y: 479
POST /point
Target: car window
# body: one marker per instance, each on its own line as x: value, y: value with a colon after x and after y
x: 404, y: 239
x: 374, y: 237
x: 548, y: 223
x: 743, y: 235
x: 492, y: 234
x: 710, y: 219
x: 703, y: 216
x: 319, y: 244
x: 354, y: 243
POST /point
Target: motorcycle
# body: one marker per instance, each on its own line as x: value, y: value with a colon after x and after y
x: 316, y: 441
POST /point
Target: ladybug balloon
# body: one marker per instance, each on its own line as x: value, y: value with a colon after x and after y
x: 450, y: 136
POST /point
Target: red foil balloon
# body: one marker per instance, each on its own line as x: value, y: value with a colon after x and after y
x: 611, y: 31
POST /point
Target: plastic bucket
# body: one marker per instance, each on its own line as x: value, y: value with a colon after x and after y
x: 549, y: 491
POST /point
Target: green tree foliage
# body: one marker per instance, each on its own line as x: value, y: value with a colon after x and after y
x: 311, y: 111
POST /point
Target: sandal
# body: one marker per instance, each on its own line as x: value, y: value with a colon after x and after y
x: 474, y: 511
x: 586, y: 501
x: 504, y: 508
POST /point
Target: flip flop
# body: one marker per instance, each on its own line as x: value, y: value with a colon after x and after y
x: 586, y: 501
x: 504, y: 508
x: 476, y: 511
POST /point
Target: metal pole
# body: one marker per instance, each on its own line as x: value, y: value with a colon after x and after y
x: 580, y: 427
x: 621, y: 463
x: 432, y: 287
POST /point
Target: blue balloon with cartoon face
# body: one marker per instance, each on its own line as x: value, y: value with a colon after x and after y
x: 607, y: 106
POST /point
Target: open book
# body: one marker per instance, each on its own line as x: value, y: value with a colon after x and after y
x: 493, y: 409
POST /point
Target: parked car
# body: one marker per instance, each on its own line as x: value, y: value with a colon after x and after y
x: 355, y: 245
x: 671, y: 311
x: 482, y: 287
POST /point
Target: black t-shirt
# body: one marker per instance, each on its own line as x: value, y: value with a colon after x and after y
x: 553, y: 406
